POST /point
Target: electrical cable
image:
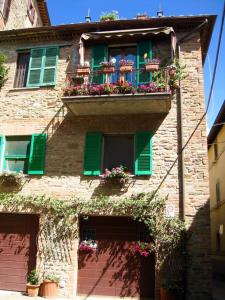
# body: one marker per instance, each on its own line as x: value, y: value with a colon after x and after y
x: 208, y: 102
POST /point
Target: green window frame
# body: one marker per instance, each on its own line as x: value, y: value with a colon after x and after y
x: 143, y: 47
x: 93, y: 153
x: 34, y: 158
x: 43, y: 66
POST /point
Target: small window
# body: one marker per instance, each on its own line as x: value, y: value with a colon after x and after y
x: 23, y: 153
x: 215, y: 151
x: 5, y: 8
x: 119, y: 150
x: 36, y: 67
x: 22, y: 69
x: 218, y: 192
x: 17, y: 152
x: 89, y: 234
x: 31, y: 11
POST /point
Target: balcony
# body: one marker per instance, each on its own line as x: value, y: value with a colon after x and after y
x: 121, y: 97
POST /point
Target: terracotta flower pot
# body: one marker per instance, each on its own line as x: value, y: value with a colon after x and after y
x: 151, y: 67
x: 49, y: 289
x: 172, y: 73
x: 83, y: 71
x: 126, y: 68
x: 32, y: 290
x: 108, y: 70
x: 167, y: 295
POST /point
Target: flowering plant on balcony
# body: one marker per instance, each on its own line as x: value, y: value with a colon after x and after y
x: 107, y: 63
x: 152, y: 61
x: 123, y: 87
x: 88, y: 246
x: 126, y: 62
x: 77, y: 90
x: 100, y: 89
x: 86, y: 64
x: 150, y: 87
x: 143, y: 248
x: 117, y: 174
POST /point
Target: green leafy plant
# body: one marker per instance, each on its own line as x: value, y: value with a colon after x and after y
x: 9, y: 179
x: 109, y: 16
x: 3, y: 70
x: 33, y: 277
x: 176, y: 73
x: 51, y: 277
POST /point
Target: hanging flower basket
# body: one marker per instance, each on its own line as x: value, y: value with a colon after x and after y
x: 126, y: 66
x: 143, y: 248
x: 108, y: 67
x: 152, y: 65
x: 83, y: 70
x: 117, y: 175
x: 88, y: 246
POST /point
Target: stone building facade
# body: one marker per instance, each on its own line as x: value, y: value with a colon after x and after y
x: 23, y: 14
x: 44, y: 110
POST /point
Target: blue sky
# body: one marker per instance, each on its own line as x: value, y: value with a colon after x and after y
x: 74, y: 11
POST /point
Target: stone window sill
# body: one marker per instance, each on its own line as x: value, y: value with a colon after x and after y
x: 31, y: 88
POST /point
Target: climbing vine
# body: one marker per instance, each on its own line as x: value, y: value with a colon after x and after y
x: 60, y: 221
x: 3, y: 70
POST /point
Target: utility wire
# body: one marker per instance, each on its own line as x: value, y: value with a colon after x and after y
x: 208, y: 103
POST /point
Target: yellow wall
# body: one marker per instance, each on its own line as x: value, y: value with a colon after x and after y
x: 217, y: 172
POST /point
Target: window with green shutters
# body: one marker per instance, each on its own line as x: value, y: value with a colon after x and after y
x: 23, y: 153
x: 42, y: 66
x: 143, y: 153
x: 143, y: 47
x: 93, y: 154
x: 99, y: 54
x: 95, y: 158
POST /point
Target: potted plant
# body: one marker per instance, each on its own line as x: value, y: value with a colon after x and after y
x: 142, y: 16
x: 143, y: 248
x: 126, y: 65
x: 109, y: 16
x: 87, y: 246
x: 33, y: 284
x: 171, y: 289
x: 83, y: 69
x: 108, y: 67
x: 152, y: 65
x: 117, y: 175
x: 176, y: 73
x: 11, y: 179
x: 50, y: 286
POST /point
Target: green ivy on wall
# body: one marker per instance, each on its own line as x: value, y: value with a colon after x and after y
x: 3, y: 70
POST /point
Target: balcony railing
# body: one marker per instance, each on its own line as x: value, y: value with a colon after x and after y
x: 136, y: 92
x: 136, y: 82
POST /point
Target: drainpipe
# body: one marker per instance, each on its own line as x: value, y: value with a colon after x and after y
x: 180, y: 114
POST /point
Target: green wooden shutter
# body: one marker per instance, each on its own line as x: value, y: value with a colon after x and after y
x: 143, y: 47
x: 2, y: 150
x: 143, y: 153
x: 98, y: 55
x: 35, y: 67
x: 37, y: 154
x: 93, y: 154
x: 49, y: 66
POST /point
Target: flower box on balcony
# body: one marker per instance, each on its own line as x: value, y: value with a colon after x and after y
x: 108, y: 70
x: 83, y: 70
x: 152, y: 65
x: 126, y: 66
x: 108, y: 67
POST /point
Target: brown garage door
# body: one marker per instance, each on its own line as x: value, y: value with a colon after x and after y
x: 114, y: 269
x: 18, y: 248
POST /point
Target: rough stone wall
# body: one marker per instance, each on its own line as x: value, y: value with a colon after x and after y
x: 18, y: 17
x: 196, y: 174
x: 27, y: 111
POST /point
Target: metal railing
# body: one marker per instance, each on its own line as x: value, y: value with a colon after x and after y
x: 136, y: 78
